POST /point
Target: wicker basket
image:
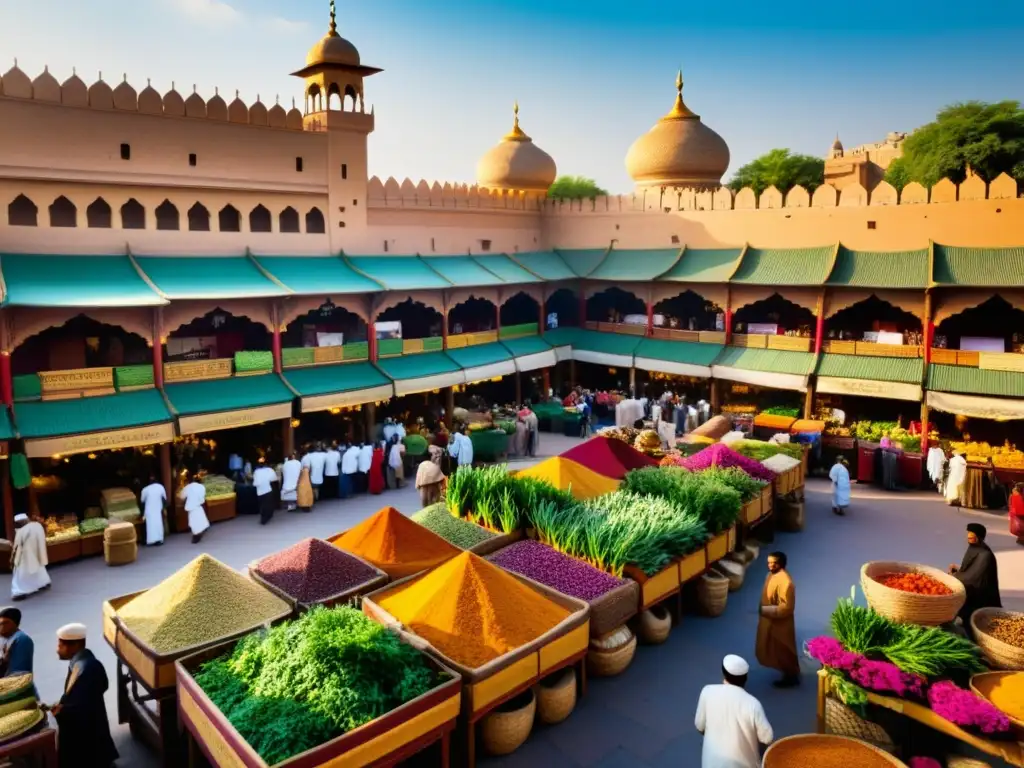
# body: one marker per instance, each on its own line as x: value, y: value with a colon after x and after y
x: 780, y: 754
x: 556, y: 696
x: 506, y: 728
x: 712, y: 593
x: 908, y: 607
x: 999, y: 655
x: 1016, y: 725
x: 120, y: 533
x: 742, y: 556
x: 734, y: 572
x: 121, y: 553
x: 608, y: 662
x: 840, y: 720
x: 654, y: 624
x: 789, y: 515
x: 753, y: 549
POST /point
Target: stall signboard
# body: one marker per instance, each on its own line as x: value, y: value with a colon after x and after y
x: 244, y: 417
x: 100, y: 441
x: 197, y: 370
x: 1001, y: 361
x: 70, y: 383
x: 329, y: 339
x: 768, y: 329
x: 390, y: 329
x: 891, y: 390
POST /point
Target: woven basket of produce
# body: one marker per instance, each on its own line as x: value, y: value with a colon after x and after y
x: 17, y: 705
x: 1000, y: 635
x: 741, y: 556
x: 556, y: 696
x: 840, y: 720
x: 121, y: 553
x: 120, y: 533
x: 815, y: 750
x: 654, y: 624
x: 20, y: 723
x: 610, y: 655
x: 734, y: 572
x: 506, y: 728
x: 15, y: 687
x: 789, y: 515
x: 648, y: 442
x: 912, y: 593
x: 712, y: 593
x: 1005, y: 691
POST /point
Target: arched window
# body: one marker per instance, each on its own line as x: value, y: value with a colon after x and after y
x: 98, y: 215
x: 259, y: 219
x: 63, y: 213
x: 350, y: 93
x: 334, y: 97
x: 133, y: 215
x: 22, y: 212
x: 315, y: 222
x: 198, y: 218
x: 289, y: 220
x: 167, y: 216
x: 230, y: 219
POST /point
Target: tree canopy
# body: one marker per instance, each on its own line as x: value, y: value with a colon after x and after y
x: 987, y: 137
x: 575, y: 188
x: 782, y: 169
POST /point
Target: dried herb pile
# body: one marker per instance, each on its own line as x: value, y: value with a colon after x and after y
x: 553, y: 569
x: 462, y: 533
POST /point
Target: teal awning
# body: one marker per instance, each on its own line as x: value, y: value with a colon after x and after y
x: 530, y: 353
x: 398, y: 273
x: 484, y: 361
x: 208, y: 277
x: 317, y: 275
x: 32, y: 280
x: 765, y: 367
x: 639, y: 264
x: 614, y: 349
x: 547, y: 265
x: 583, y: 261
x: 506, y: 269
x: 6, y: 426
x: 421, y: 373
x: 322, y: 387
x: 461, y: 271
x: 681, y: 358
x: 237, y: 401
x: 561, y: 337
x: 704, y: 265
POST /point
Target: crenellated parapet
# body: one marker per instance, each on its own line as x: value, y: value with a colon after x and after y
x: 434, y: 195
x: 123, y: 97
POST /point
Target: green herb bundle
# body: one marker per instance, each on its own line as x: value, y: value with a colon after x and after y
x: 759, y: 450
x: 498, y: 500
x: 712, y: 495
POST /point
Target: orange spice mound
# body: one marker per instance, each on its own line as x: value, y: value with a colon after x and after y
x: 472, y: 611
x: 918, y: 583
x: 397, y: 545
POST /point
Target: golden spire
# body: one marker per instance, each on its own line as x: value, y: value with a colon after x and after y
x: 679, y: 110
x: 333, y: 31
x: 516, y: 134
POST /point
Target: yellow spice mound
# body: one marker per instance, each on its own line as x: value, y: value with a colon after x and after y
x: 200, y: 604
x: 472, y: 611
x: 1006, y: 692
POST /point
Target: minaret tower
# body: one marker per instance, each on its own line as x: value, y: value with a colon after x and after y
x: 334, y: 103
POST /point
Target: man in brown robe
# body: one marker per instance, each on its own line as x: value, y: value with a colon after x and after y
x: 776, y: 628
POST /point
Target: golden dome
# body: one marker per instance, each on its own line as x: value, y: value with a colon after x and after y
x: 516, y: 163
x: 679, y: 151
x: 333, y: 48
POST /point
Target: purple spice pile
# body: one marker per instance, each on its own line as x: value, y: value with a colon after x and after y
x: 719, y: 455
x: 314, y: 570
x: 553, y: 569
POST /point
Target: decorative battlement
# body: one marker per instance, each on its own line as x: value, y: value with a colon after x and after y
x: 73, y: 92
x: 392, y: 194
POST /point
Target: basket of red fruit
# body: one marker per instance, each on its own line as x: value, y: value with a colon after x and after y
x: 912, y: 593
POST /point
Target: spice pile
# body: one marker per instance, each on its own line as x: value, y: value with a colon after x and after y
x: 454, y: 530
x: 824, y: 752
x: 719, y: 455
x: 313, y: 570
x: 1008, y: 629
x: 780, y: 463
x: 918, y: 583
x: 1006, y: 692
x: 553, y: 569
x: 202, y: 603
x: 472, y: 611
x: 306, y: 682
x: 395, y: 544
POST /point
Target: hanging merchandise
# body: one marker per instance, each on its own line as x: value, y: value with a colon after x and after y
x: 21, y: 475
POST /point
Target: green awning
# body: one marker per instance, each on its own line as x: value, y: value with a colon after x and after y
x: 880, y: 269
x: 681, y: 358
x: 506, y: 269
x: 975, y: 381
x: 461, y: 271
x: 80, y: 425
x: 208, y: 277
x: 979, y: 267
x: 547, y: 265
x: 421, y: 373
x: 704, y: 265
x: 483, y: 361
x: 398, y: 273
x: 317, y: 275
x: 785, y: 266
x: 583, y: 261
x: 562, y: 339
x: 639, y: 264
x: 530, y: 353
x: 614, y: 349
x: 238, y: 401
x: 322, y: 387
x: 896, y: 378
x: 764, y: 367
x: 32, y: 280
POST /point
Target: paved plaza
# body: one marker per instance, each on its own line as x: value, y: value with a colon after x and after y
x: 641, y: 719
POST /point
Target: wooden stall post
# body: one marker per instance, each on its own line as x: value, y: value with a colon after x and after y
x: 819, y: 325
x: 371, y: 341
x: 497, y: 319
x: 924, y: 427
x: 809, y: 401
x: 167, y: 473
x: 728, y: 314
x: 275, y: 341
x: 158, y: 351
x: 449, y: 406
x: 632, y: 381
x: 444, y: 324
x: 370, y: 419
x: 287, y: 436
x: 545, y: 376
x: 542, y: 320
x: 572, y: 374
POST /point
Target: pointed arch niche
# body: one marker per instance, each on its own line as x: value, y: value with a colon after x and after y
x: 688, y: 310
x: 66, y: 339
x: 564, y: 304
x: 420, y: 314
x: 205, y: 331
x: 520, y: 308
x: 612, y: 304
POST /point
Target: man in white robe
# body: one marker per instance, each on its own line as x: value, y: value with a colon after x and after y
x: 28, y: 558
x: 955, y: 479
x: 732, y: 721
x: 194, y: 496
x: 291, y: 470
x: 840, y: 477
x: 349, y: 471
x: 154, y: 499
x: 317, y: 463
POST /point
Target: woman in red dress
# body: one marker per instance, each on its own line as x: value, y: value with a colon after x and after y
x: 376, y: 476
x: 1017, y: 513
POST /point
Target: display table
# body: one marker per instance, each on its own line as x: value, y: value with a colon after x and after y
x: 38, y: 748
x: 911, y: 469
x: 63, y: 551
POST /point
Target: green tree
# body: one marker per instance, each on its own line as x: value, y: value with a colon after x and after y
x: 987, y: 137
x: 897, y: 174
x: 782, y: 169
x: 575, y: 188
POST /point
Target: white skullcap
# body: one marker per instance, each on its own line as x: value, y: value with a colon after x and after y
x: 735, y: 665
x: 71, y: 632
x: 21, y: 518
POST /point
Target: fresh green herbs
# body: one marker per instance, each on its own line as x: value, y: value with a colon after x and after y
x: 715, y: 495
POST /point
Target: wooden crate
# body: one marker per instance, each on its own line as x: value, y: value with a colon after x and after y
x: 752, y: 340
x: 712, y: 337
x: 943, y: 356
x: 836, y: 347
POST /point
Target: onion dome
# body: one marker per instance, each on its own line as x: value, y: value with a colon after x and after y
x: 837, y: 145
x: 333, y: 48
x: 516, y: 163
x: 679, y: 151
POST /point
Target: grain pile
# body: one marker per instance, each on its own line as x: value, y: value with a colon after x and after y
x: 313, y: 570
x: 200, y: 604
x: 395, y: 544
x: 17, y: 723
x: 1008, y: 629
x: 472, y: 611
x: 814, y: 751
x: 454, y: 530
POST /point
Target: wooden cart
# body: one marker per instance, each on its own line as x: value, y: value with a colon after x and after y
x: 40, y: 745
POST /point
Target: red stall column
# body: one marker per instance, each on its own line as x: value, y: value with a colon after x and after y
x: 158, y: 349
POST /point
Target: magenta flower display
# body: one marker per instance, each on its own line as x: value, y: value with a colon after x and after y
x: 877, y: 676
x: 924, y: 762
x: 719, y: 455
x: 831, y: 653
x: 964, y: 708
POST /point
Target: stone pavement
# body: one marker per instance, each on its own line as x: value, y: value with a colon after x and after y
x: 644, y: 717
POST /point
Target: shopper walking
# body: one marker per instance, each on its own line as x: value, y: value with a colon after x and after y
x: 263, y: 478
x: 194, y: 496
x: 776, y: 627
x: 840, y: 477
x: 28, y: 558
x: 396, y: 463
x: 332, y: 471
x: 291, y: 470
x: 732, y: 721
x: 154, y: 502
x: 349, y: 471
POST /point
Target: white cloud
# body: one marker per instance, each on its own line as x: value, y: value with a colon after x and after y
x: 284, y: 26
x: 213, y: 12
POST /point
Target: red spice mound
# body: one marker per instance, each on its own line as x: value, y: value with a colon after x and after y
x: 917, y: 583
x: 313, y: 570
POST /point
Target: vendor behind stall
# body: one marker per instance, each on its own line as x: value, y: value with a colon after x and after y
x: 979, y: 574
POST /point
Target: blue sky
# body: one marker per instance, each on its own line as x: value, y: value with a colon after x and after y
x: 590, y: 76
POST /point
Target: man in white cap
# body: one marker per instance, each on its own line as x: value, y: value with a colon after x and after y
x: 732, y: 721
x: 28, y: 558
x: 83, y: 735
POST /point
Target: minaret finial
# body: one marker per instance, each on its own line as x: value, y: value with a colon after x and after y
x: 515, y: 114
x: 679, y: 81
x: 333, y: 32
x: 516, y: 134
x: 679, y: 110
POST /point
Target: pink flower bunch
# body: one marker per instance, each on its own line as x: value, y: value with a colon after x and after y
x: 964, y: 708
x: 879, y: 676
x: 924, y: 762
x: 831, y: 653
